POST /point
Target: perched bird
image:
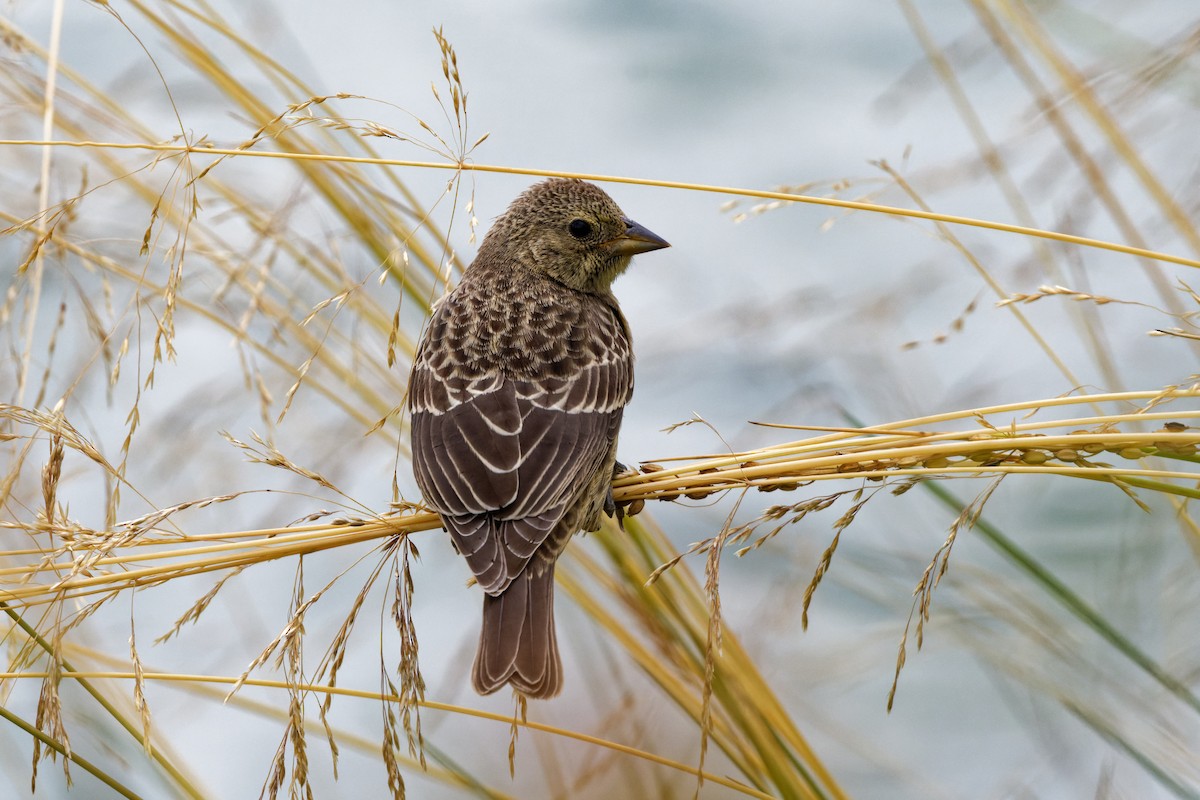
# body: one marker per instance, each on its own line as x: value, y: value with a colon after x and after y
x: 516, y: 396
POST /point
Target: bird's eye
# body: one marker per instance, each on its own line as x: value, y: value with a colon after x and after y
x: 579, y: 228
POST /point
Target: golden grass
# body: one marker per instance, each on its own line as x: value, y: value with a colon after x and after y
x: 74, y: 562
x: 734, y: 191
x: 303, y: 323
x: 95, y: 566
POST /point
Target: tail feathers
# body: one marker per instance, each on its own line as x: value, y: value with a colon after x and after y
x: 518, y: 644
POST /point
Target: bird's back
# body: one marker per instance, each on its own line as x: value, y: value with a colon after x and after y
x: 517, y: 394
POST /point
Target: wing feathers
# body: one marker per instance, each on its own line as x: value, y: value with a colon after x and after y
x: 511, y: 427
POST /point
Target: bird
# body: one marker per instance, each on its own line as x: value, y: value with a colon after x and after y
x: 516, y: 395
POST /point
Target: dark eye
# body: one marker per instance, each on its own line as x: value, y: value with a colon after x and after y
x: 580, y: 228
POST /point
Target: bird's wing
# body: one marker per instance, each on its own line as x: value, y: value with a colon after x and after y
x: 503, y: 458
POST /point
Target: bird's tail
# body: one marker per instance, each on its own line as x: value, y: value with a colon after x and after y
x: 517, y: 644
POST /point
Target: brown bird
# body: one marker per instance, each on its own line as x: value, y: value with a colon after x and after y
x: 516, y: 395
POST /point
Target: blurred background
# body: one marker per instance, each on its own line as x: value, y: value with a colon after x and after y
x: 1072, y: 117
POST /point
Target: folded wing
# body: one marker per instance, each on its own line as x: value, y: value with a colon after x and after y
x: 502, y: 458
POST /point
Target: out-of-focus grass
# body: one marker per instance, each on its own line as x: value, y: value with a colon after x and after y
x: 181, y: 237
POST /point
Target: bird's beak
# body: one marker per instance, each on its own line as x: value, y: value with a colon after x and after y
x: 636, y: 239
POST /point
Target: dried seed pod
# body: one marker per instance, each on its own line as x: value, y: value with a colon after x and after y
x: 649, y: 467
x: 1132, y: 453
x: 1066, y: 454
x: 1035, y: 457
x: 936, y: 462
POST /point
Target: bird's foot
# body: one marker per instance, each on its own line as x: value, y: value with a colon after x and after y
x: 627, y: 508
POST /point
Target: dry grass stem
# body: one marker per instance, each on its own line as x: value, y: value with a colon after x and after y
x: 852, y: 205
x: 74, y: 561
x: 517, y: 720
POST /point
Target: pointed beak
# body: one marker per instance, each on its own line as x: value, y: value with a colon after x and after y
x: 636, y: 239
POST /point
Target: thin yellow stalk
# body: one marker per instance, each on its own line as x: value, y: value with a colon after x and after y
x: 838, y: 456
x: 683, y: 694
x: 348, y: 404
x: 991, y: 281
x: 992, y: 158
x: 35, y: 280
x: 1081, y: 91
x: 674, y: 614
x: 367, y: 745
x: 853, y: 205
x: 1092, y: 172
x: 324, y: 689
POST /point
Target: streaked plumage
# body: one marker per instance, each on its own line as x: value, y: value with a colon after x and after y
x: 516, y: 396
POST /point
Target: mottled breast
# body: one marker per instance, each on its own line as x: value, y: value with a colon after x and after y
x: 562, y: 349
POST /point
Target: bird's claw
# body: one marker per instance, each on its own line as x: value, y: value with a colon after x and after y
x: 611, y: 508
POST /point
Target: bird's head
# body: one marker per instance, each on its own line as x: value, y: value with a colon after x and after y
x: 570, y: 230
